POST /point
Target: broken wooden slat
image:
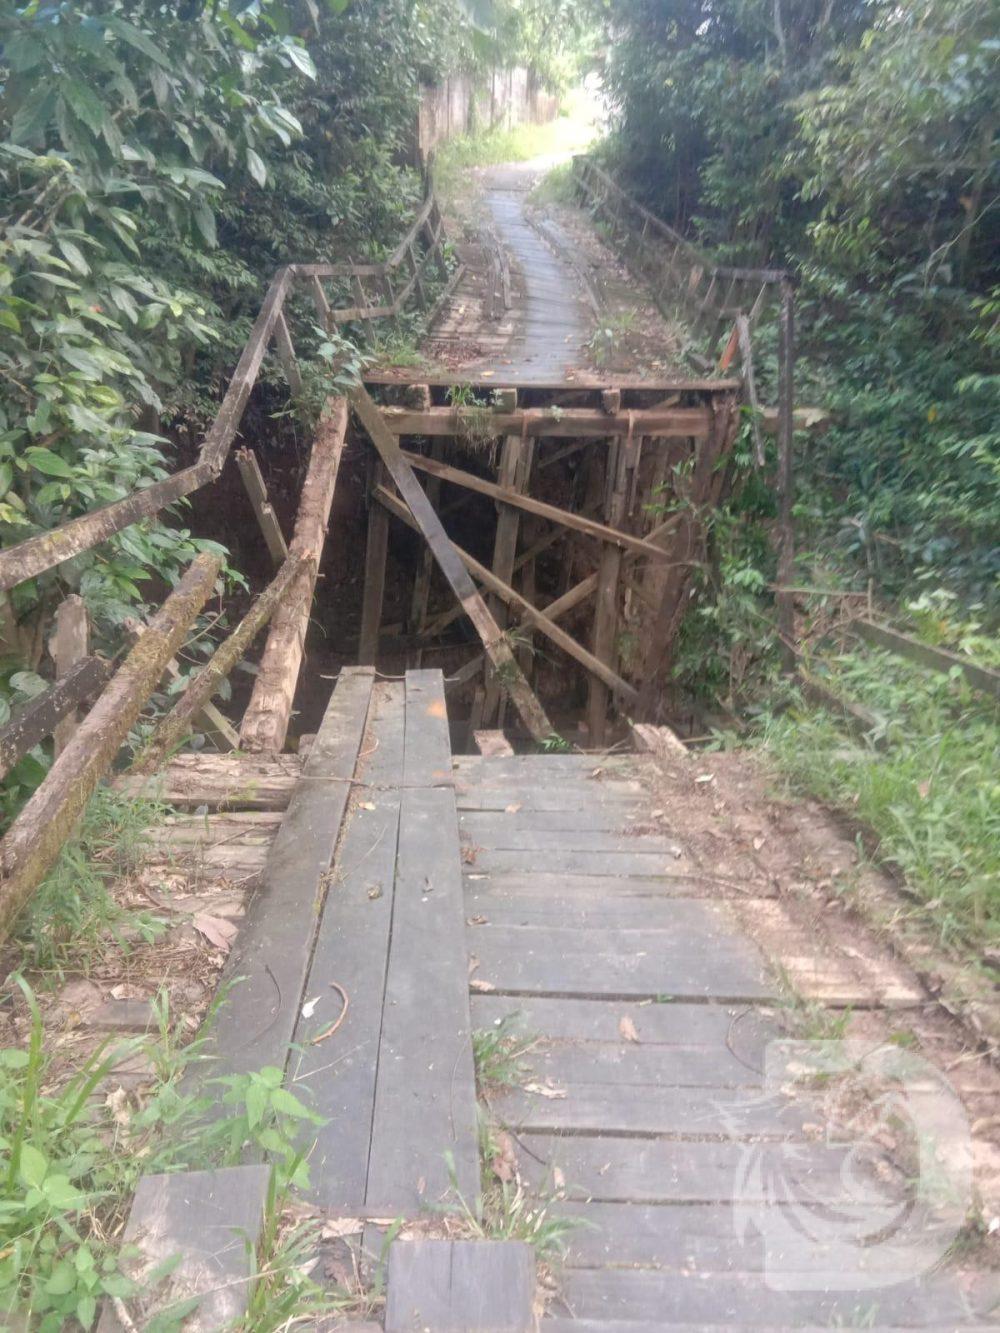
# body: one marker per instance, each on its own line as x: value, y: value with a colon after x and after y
x: 658, y: 741
x: 218, y: 781
x: 265, y: 723
x: 267, y: 519
x: 35, y: 838
x: 207, y: 1224
x: 496, y: 646
x: 565, y: 423
x: 40, y: 716
x: 565, y: 517
x: 271, y: 956
x: 217, y: 728
x: 460, y: 1286
x: 182, y: 717
x: 530, y: 615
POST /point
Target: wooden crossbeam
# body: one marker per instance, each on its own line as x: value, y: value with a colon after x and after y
x: 40, y: 716
x: 429, y: 524
x: 267, y: 519
x: 552, y: 512
x: 530, y: 615
x: 565, y: 423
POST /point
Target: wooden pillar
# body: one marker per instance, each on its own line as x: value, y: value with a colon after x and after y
x: 515, y: 465
x: 425, y: 566
x: 608, y: 576
x: 69, y: 644
x: 375, y: 560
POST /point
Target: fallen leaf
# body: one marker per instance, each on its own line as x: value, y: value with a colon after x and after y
x: 336, y: 1228
x: 544, y: 1089
x: 473, y: 963
x: 469, y: 855
x: 476, y: 921
x: 924, y: 788
x: 513, y: 808
x: 504, y: 1164
x: 366, y: 805
x: 705, y: 777
x: 627, y: 1028
x: 216, y: 930
x: 758, y: 843
x: 478, y: 984
x: 117, y: 1104
x: 309, y: 1008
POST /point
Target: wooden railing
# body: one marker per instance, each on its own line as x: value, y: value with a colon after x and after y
x: 375, y: 291
x: 712, y: 298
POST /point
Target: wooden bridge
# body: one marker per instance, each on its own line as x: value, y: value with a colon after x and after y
x: 413, y: 893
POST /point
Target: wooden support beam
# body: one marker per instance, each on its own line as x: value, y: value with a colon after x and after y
x: 515, y: 466
x: 938, y: 659
x: 286, y: 354
x: 532, y: 506
x: 35, y: 838
x: 530, y: 615
x: 267, y: 519
x: 566, y: 423
x: 265, y: 723
x: 39, y: 717
x: 608, y: 575
x: 376, y: 550
x: 69, y: 645
x: 178, y: 722
x: 425, y: 567
x: 497, y: 648
x: 320, y: 302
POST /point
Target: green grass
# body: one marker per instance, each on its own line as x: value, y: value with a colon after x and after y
x: 931, y: 797
x: 498, y: 1054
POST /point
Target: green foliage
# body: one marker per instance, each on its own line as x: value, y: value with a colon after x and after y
x: 498, y: 1054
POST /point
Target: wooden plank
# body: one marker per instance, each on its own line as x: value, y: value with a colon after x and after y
x: 504, y: 833
x: 35, y: 838
x: 548, y: 960
x: 674, y: 1024
x: 376, y: 550
x: 497, y: 648
x: 255, y: 1026
x: 32, y: 722
x: 193, y: 704
x: 352, y: 949
x: 608, y: 818
x: 425, y: 1100
x: 552, y: 512
x: 736, y: 1301
x: 207, y: 1223
x: 632, y: 1068
x: 529, y: 614
x: 595, y: 889
x: 428, y: 747
x: 732, y: 1113
x: 69, y: 645
x: 461, y: 1286
x: 542, y: 796
x: 938, y: 659
x: 267, y: 519
x: 564, y: 423
x: 578, y: 861
x: 670, y: 1171
x: 486, y: 906
x: 218, y: 781
x: 265, y: 722
x: 286, y: 354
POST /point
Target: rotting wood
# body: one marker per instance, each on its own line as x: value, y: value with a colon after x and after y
x: 492, y: 744
x: 216, y: 726
x: 422, y: 579
x: 267, y: 519
x: 265, y: 723
x: 179, y: 721
x: 68, y: 646
x: 532, y: 506
x: 36, y: 836
x: 662, y: 741
x: 564, y: 423
x: 938, y: 659
x: 218, y: 781
x: 497, y: 648
x: 40, y: 716
x: 530, y: 615
x: 376, y: 550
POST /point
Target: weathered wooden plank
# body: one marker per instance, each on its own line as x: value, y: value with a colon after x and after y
x: 602, y: 817
x: 565, y: 517
x: 938, y: 659
x: 40, y: 716
x: 218, y: 781
x: 567, y: 423
x: 744, y: 1029
x: 497, y: 648
x: 352, y: 950
x: 460, y: 1286
x: 502, y: 832
x: 631, y: 1066
x: 687, y: 1171
x: 727, y: 1113
x: 563, y: 794
x: 553, y: 961
x: 581, y: 911
x: 265, y: 722
x: 425, y: 1103
x: 427, y: 761
x: 267, y: 519
x: 207, y: 1222
x: 35, y: 838
x: 69, y: 646
x: 735, y: 1301
x: 593, y: 890
x: 254, y: 1027
x: 563, y: 860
